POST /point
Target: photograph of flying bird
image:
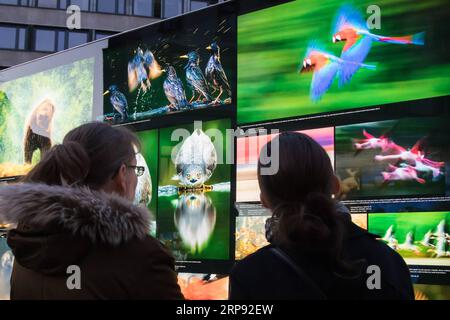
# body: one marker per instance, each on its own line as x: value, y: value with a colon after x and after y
x: 401, y: 174
x: 414, y: 158
x: 118, y: 101
x: 142, y: 68
x: 137, y: 73
x: 442, y: 241
x: 173, y: 88
x: 426, y: 241
x: 371, y: 142
x: 440, y: 230
x: 434, y: 170
x: 215, y: 74
x: 409, y: 243
x: 433, y: 245
x: 351, y: 28
x: 389, y: 238
x: 440, y: 250
x: 325, y: 68
x: 195, y: 78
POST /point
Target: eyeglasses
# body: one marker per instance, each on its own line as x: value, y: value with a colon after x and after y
x: 139, y: 170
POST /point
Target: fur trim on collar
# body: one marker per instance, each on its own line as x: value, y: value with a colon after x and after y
x: 95, y: 215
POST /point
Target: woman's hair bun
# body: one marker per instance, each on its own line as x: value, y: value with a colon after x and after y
x: 73, y: 162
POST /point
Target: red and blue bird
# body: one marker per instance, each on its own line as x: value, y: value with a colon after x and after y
x: 325, y: 67
x: 351, y: 28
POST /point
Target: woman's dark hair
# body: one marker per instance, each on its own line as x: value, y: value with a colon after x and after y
x: 89, y: 155
x: 300, y: 196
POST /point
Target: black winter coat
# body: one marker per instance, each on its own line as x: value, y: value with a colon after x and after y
x: 263, y: 275
x: 104, y: 235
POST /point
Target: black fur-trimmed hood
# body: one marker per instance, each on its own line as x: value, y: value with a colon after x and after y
x: 96, y: 216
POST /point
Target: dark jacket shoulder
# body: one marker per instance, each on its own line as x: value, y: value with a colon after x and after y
x: 104, y: 235
x: 263, y: 275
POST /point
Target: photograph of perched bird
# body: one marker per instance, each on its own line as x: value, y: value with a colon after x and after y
x: 173, y: 88
x: 195, y: 78
x: 325, y: 67
x: 118, y: 101
x: 215, y: 74
x: 352, y: 29
x: 196, y: 160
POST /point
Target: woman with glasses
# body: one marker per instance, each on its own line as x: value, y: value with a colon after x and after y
x: 78, y: 235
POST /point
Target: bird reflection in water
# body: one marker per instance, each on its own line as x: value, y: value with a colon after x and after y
x: 195, y: 219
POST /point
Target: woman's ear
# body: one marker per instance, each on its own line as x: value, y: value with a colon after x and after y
x: 336, y: 185
x: 120, y: 181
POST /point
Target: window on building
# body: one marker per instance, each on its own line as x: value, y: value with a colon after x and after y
x: 61, y: 38
x: 195, y: 5
x: 157, y: 8
x: 143, y: 8
x: 106, y: 6
x: 83, y: 4
x: 8, y: 37
x: 63, y: 4
x: 47, y: 3
x: 77, y: 38
x: 16, y: 2
x: 121, y: 7
x: 172, y: 8
x: 45, y: 40
x: 21, y: 44
x: 101, y: 34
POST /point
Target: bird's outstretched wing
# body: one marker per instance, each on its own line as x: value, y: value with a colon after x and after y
x: 434, y: 164
x: 133, y: 81
x: 356, y: 53
x: 148, y: 57
x: 154, y: 69
x: 322, y: 79
x: 349, y: 17
x: 418, y: 145
x: 367, y: 135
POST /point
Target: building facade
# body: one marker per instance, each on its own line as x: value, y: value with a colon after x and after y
x: 30, y: 29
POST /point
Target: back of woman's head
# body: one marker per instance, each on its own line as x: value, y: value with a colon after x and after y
x: 300, y: 195
x: 90, y: 155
